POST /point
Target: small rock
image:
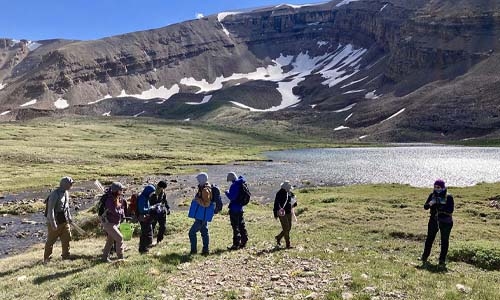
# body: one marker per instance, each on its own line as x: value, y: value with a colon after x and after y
x: 312, y: 295
x: 370, y: 290
x: 347, y: 295
x: 364, y: 276
x: 275, y: 278
x: 22, y: 278
x: 464, y: 289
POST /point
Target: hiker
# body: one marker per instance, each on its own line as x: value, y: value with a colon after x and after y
x: 201, y: 202
x: 161, y: 209
x: 114, y: 213
x: 58, y: 219
x: 143, y: 209
x: 283, y: 209
x: 240, y: 235
x: 441, y: 207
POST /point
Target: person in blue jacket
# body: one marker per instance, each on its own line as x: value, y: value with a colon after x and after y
x: 240, y: 234
x: 143, y: 206
x: 441, y: 207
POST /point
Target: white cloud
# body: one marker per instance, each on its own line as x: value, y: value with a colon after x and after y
x: 199, y: 16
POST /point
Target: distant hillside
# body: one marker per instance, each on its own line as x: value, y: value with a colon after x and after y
x: 375, y: 70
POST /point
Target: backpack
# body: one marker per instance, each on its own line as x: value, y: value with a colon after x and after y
x: 46, y: 206
x: 101, y: 205
x: 132, y: 206
x: 216, y: 198
x: 244, y: 195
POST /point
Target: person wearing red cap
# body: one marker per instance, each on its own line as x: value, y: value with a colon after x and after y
x: 441, y: 207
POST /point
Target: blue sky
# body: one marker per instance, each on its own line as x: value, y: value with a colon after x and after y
x: 93, y: 19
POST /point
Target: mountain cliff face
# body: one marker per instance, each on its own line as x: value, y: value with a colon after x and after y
x: 376, y: 70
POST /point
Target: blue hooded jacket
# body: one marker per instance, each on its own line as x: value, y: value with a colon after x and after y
x: 232, y: 195
x: 143, y: 200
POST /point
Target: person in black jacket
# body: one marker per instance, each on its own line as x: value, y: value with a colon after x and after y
x: 441, y: 207
x: 283, y: 204
x: 160, y: 209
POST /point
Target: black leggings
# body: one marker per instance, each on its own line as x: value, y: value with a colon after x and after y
x: 432, y: 229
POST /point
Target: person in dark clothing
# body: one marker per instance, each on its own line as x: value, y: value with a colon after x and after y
x: 441, y: 207
x: 283, y: 209
x: 240, y: 234
x: 160, y: 210
x: 143, y: 209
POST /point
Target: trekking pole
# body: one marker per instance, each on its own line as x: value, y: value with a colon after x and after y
x: 99, y: 185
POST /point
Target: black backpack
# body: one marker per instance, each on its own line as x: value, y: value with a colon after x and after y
x: 216, y: 198
x: 101, y: 205
x: 46, y: 205
x: 244, y: 195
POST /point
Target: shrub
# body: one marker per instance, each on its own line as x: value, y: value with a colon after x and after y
x: 484, y: 255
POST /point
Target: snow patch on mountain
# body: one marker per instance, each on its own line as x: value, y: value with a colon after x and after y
x: 2, y: 85
x: 205, y: 100
x: 61, y: 103
x: 32, y: 46
x: 4, y: 113
x: 340, y: 128
x: 345, y: 2
x: 372, y: 95
x: 345, y: 108
x: 28, y: 103
x: 394, y: 115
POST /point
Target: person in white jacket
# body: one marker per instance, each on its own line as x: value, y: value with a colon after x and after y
x: 58, y: 219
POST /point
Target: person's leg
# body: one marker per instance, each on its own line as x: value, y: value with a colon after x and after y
x: 445, y: 229
x: 162, y: 221
x: 205, y: 238
x: 146, y: 238
x: 233, y: 216
x: 243, y: 231
x: 108, y: 227
x: 49, y: 244
x: 282, y: 233
x: 65, y: 235
x: 287, y: 225
x: 192, y: 235
x: 432, y: 229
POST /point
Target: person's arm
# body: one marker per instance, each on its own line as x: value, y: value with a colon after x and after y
x: 449, y: 207
x: 50, y: 209
x: 428, y: 203
x: 233, y: 192
x: 276, y: 204
x: 67, y: 210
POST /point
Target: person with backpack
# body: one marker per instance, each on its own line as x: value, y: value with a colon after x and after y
x: 58, y: 219
x: 144, y: 217
x: 114, y: 212
x: 283, y: 208
x: 441, y: 207
x: 240, y: 234
x: 201, y: 210
x: 161, y: 209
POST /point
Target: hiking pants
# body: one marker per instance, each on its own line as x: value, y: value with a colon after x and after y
x: 161, y: 219
x: 432, y: 229
x: 286, y: 226
x: 64, y: 233
x: 201, y: 226
x: 146, y: 238
x: 240, y: 234
x: 113, y: 236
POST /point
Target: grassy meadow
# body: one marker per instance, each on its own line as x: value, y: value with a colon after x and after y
x: 352, y: 242
x: 37, y: 153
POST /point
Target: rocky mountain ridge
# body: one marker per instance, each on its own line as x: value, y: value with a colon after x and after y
x: 376, y: 70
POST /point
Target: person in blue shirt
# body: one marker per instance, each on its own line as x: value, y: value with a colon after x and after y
x: 240, y: 234
x: 143, y: 209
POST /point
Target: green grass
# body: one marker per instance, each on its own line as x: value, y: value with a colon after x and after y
x: 37, y: 153
x: 362, y: 239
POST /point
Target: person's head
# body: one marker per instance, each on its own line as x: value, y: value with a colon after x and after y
x: 439, y: 186
x: 66, y: 183
x: 116, y: 188
x: 231, y: 176
x: 202, y: 178
x: 286, y: 186
x: 162, y: 185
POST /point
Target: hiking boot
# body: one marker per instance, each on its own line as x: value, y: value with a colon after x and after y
x: 233, y: 247
x: 193, y: 252
x: 205, y: 253
x: 288, y: 245
x: 106, y: 259
x: 278, y: 240
x: 143, y: 251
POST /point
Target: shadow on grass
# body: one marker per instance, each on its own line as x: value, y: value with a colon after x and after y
x: 433, y: 268
x: 176, y: 259
x: 270, y: 250
x: 42, y: 279
x: 9, y: 272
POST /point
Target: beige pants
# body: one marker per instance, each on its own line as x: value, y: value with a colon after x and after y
x: 114, y: 235
x: 63, y: 231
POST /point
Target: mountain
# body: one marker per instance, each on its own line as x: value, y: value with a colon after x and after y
x: 390, y: 70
